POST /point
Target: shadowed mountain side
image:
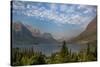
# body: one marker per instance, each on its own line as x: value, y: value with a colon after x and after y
x: 89, y: 35
x: 22, y: 35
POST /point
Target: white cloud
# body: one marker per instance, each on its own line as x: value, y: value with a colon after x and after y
x: 53, y: 7
x: 18, y: 5
x: 83, y: 7
x: 28, y: 6
x: 63, y: 7
x: 53, y: 14
x: 86, y: 11
x: 87, y: 8
x: 57, y: 18
x: 75, y: 19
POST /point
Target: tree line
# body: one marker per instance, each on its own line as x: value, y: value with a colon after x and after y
x: 65, y: 55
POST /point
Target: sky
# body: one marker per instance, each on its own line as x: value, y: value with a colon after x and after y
x: 61, y: 20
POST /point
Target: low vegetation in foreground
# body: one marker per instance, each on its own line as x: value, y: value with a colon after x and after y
x: 30, y: 57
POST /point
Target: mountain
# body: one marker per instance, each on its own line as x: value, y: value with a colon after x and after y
x: 90, y: 33
x: 21, y: 34
x: 34, y: 31
x: 47, y: 35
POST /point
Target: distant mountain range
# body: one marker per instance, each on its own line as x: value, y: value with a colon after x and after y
x: 24, y: 34
x: 89, y: 35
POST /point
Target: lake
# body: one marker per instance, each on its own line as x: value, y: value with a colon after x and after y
x: 47, y: 49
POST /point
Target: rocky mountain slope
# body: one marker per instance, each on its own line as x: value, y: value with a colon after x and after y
x: 22, y: 35
x: 90, y: 33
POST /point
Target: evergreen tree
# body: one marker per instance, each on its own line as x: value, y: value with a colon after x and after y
x: 64, y: 53
x: 88, y: 49
x: 38, y: 58
x: 64, y: 50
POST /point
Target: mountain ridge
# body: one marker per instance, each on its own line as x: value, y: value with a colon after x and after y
x: 21, y: 34
x: 89, y: 34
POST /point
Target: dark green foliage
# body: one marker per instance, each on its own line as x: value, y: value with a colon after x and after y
x: 88, y: 54
x: 20, y: 58
x: 64, y: 50
x: 64, y: 53
x: 88, y: 49
x: 29, y: 57
x: 39, y: 59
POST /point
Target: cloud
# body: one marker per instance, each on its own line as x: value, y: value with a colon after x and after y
x: 75, y: 19
x: 18, y: 5
x: 53, y: 7
x: 68, y: 14
x: 63, y: 7
x: 82, y: 7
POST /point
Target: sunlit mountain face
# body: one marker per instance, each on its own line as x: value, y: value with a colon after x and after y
x: 63, y: 21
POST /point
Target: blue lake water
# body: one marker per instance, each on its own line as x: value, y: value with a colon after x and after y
x: 50, y: 48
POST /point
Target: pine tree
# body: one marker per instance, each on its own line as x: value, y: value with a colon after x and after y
x: 64, y: 50
x: 38, y: 58
x: 64, y: 53
x: 88, y: 49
